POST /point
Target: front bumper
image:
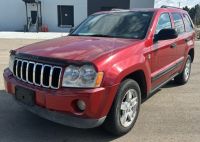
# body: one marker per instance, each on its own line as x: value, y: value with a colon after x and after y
x: 63, y: 118
x: 58, y: 105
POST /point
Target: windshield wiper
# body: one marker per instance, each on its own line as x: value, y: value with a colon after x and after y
x: 74, y: 35
x: 95, y: 35
x: 99, y: 35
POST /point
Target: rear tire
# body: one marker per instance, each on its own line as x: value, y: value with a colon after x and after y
x: 185, y: 75
x: 125, y: 108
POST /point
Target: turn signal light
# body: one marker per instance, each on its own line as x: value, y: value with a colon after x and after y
x: 99, y: 79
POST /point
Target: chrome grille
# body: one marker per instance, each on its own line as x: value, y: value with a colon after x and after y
x: 18, y: 69
x: 36, y: 73
x: 23, y: 70
x: 30, y: 72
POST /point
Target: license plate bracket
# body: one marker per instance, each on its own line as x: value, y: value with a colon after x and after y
x: 25, y: 95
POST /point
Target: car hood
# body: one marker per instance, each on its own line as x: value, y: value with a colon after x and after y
x: 78, y: 48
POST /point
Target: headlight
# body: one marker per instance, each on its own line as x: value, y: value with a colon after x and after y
x: 11, y: 63
x: 71, y: 74
x: 86, y: 76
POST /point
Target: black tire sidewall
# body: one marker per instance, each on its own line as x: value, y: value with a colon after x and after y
x: 180, y: 79
x: 130, y: 84
x: 188, y: 58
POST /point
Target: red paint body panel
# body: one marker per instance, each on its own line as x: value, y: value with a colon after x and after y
x: 78, y: 48
x: 114, y: 56
x: 60, y: 100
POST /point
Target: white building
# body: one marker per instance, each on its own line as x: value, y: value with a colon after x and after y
x: 59, y: 15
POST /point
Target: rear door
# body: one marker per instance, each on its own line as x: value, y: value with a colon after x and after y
x: 189, y: 27
x: 190, y: 32
x: 182, y: 37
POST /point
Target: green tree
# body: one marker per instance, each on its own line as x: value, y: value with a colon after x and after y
x: 194, y: 13
x: 197, y: 14
x: 186, y: 8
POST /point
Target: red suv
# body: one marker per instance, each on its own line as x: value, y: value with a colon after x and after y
x: 101, y: 70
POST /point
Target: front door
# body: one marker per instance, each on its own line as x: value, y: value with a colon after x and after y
x: 164, y: 56
x: 33, y: 16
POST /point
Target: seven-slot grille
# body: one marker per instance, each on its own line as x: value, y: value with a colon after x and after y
x: 38, y: 74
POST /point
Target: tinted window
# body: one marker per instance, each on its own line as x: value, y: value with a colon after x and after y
x: 164, y: 22
x: 188, y: 22
x: 178, y: 23
x: 116, y: 24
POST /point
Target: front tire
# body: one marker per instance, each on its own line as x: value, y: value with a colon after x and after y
x: 185, y: 75
x: 125, y: 108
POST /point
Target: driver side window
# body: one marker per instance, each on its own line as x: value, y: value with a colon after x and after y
x: 164, y: 22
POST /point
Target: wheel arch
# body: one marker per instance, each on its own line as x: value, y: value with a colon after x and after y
x: 135, y: 68
x: 140, y: 78
x: 191, y: 53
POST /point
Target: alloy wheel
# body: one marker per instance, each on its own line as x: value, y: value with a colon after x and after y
x: 129, y: 106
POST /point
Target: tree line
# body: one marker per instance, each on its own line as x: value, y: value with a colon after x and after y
x: 194, y: 13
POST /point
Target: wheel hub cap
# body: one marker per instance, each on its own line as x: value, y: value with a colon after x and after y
x: 187, y: 70
x: 129, y: 107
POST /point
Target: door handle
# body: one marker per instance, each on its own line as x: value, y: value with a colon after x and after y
x: 173, y: 45
x: 187, y: 39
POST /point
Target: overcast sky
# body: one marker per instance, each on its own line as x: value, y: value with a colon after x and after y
x: 189, y: 3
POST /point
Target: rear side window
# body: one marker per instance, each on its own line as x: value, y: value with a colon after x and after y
x: 164, y: 22
x: 178, y: 23
x: 188, y: 23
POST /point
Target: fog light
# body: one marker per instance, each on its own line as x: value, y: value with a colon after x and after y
x: 81, y: 105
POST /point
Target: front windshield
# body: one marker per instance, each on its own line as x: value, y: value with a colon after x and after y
x: 132, y: 24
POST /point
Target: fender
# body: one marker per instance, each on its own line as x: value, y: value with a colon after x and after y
x: 118, y: 71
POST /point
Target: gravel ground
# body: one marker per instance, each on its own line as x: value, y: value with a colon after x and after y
x: 171, y: 114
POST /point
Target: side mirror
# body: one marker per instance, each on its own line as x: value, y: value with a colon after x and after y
x: 166, y: 34
x: 71, y: 30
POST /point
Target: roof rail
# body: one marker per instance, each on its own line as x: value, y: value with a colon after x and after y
x: 115, y: 9
x: 165, y: 6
